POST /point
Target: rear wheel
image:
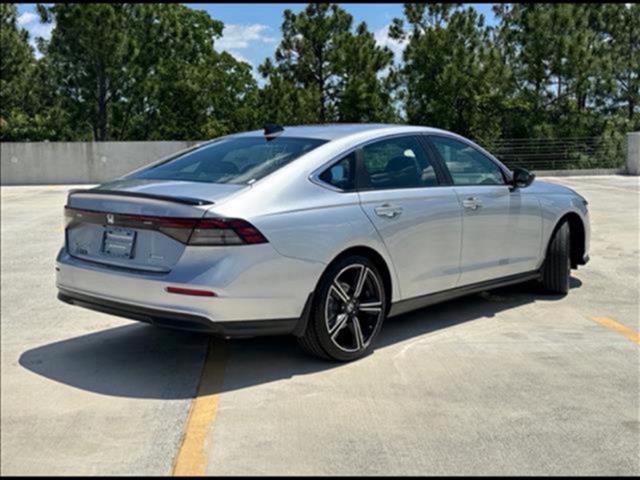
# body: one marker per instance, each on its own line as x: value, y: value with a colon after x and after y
x: 556, y: 270
x: 349, y: 308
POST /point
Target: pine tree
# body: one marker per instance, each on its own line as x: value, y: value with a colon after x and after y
x: 17, y: 64
x: 453, y: 77
x: 364, y: 90
x: 323, y: 71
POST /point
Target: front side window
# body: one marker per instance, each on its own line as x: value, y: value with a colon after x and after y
x: 342, y: 173
x: 397, y: 163
x: 467, y: 165
x: 232, y: 160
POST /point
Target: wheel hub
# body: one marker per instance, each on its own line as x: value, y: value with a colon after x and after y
x: 351, y: 308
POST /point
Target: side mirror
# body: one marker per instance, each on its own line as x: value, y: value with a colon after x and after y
x: 522, y: 178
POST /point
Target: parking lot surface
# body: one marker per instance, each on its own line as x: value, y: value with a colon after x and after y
x: 505, y: 382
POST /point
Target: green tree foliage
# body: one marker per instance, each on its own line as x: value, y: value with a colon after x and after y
x: 17, y: 72
x: 150, y: 71
x: 364, y: 94
x: 620, y: 27
x: 88, y: 52
x: 306, y: 55
x: 29, y: 110
x: 180, y: 86
x: 575, y: 67
x: 554, y: 56
x: 283, y: 101
x: 453, y: 77
x: 16, y: 62
x: 324, y: 71
x: 544, y: 71
x: 146, y: 71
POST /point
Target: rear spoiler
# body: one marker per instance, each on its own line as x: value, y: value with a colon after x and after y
x: 120, y: 193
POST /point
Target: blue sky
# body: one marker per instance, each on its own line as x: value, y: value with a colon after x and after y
x: 252, y: 31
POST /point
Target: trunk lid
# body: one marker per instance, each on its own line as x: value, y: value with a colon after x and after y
x: 116, y: 223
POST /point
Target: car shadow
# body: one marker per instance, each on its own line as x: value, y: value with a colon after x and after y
x: 141, y: 361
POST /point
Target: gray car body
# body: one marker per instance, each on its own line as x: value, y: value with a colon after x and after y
x: 436, y: 245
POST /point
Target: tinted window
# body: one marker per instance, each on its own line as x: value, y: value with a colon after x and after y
x: 342, y: 174
x: 232, y: 160
x: 398, y: 163
x: 466, y: 164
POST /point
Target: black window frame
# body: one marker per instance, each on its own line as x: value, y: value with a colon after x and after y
x: 442, y: 174
x: 362, y: 185
x: 506, y: 174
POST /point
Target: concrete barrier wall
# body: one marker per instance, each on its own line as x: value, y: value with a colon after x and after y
x: 37, y: 163
x: 633, y: 153
x: 50, y: 163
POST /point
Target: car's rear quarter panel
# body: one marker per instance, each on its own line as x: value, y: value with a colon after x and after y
x: 307, y: 222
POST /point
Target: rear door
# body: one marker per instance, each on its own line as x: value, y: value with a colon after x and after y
x: 419, y: 219
x: 501, y: 227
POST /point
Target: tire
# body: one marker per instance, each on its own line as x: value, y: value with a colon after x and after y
x: 344, y: 323
x: 556, y: 270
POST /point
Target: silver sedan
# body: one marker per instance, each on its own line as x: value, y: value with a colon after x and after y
x: 322, y: 232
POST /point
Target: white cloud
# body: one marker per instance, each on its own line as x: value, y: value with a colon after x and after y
x: 254, y: 37
x: 244, y: 36
x: 382, y: 38
x: 41, y: 30
x: 31, y: 22
x: 27, y: 18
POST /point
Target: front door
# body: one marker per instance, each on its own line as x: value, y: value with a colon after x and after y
x: 486, y: 240
x: 501, y: 226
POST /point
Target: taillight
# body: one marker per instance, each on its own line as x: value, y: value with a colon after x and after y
x: 192, y: 231
x: 227, y: 231
x: 72, y: 215
x: 178, y: 228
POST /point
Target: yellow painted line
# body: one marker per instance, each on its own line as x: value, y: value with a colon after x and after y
x: 618, y: 327
x: 192, y: 455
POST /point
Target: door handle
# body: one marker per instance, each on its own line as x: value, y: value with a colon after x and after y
x: 387, y: 210
x: 472, y: 203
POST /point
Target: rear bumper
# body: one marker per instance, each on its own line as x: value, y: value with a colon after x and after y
x: 179, y: 320
x: 250, y: 283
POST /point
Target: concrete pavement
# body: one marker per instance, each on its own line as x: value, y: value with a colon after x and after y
x: 507, y: 382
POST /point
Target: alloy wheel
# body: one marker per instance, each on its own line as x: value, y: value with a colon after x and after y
x: 353, y: 308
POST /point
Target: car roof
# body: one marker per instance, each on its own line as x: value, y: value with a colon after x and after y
x: 333, y: 131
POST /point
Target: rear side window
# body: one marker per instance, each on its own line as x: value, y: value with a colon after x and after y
x: 467, y: 165
x: 342, y: 174
x: 397, y: 163
x: 232, y: 160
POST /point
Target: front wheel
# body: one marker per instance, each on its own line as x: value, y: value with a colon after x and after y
x: 556, y: 270
x: 349, y: 308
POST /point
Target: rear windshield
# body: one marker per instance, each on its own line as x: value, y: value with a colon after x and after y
x: 232, y: 160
